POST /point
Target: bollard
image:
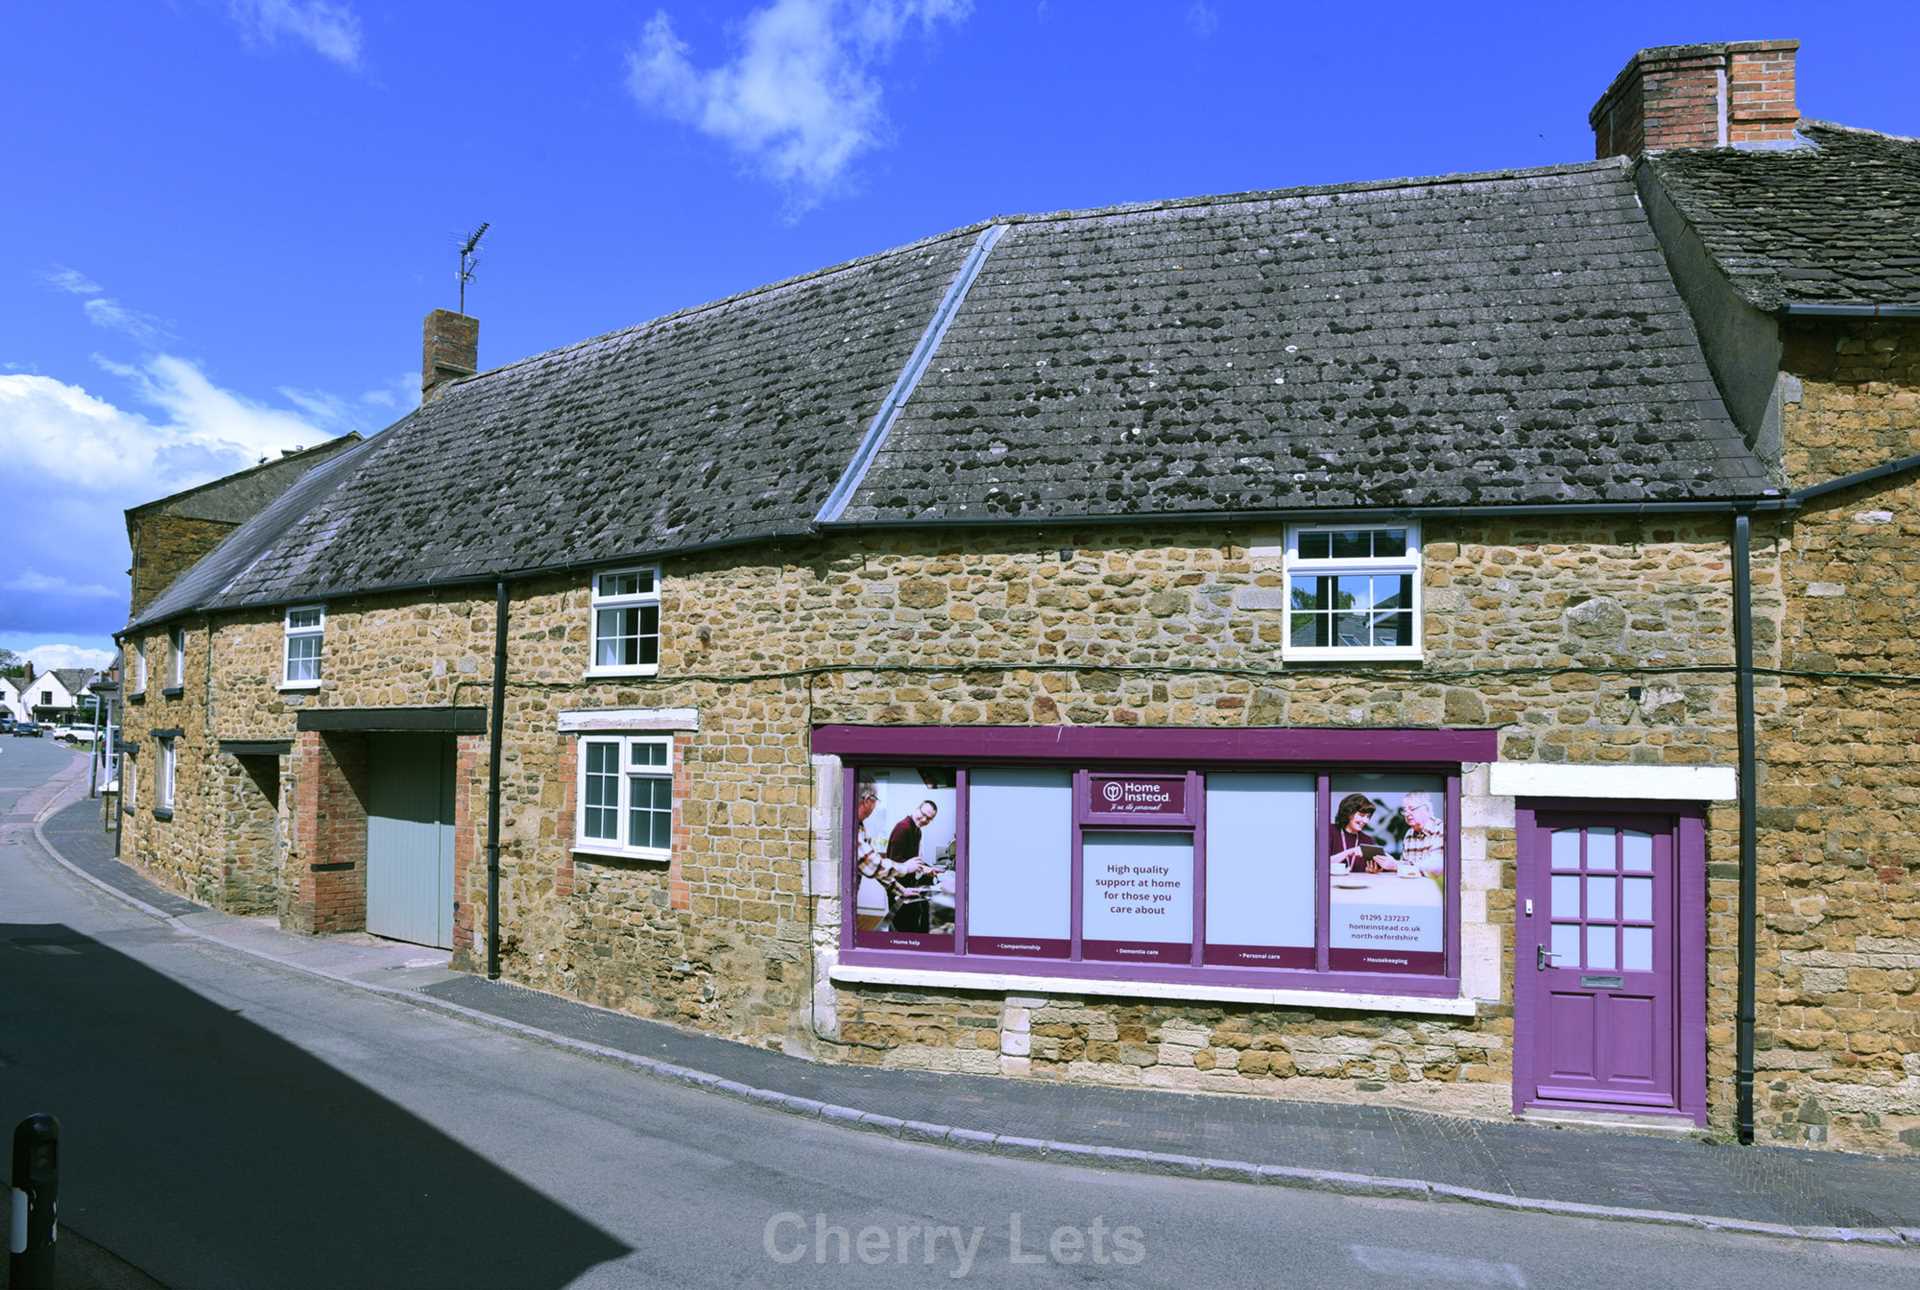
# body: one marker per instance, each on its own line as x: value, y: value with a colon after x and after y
x: 34, y: 1225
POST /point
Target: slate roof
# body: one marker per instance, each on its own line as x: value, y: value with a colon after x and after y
x: 1837, y: 222
x: 1490, y: 338
x: 1512, y: 337
x: 723, y: 423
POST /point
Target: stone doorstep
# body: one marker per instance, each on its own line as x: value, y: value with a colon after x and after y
x: 1651, y: 1125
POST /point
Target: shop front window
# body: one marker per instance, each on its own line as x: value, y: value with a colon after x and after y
x: 1341, y: 875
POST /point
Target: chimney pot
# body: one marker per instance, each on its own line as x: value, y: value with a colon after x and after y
x: 451, y: 349
x: 1733, y: 94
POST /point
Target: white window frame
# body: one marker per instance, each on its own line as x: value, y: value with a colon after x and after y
x: 164, y: 775
x: 639, y: 600
x: 139, y: 669
x: 1410, y: 563
x: 130, y: 774
x: 289, y: 633
x: 617, y: 846
x: 177, y: 658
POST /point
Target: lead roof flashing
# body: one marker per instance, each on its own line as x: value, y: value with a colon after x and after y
x: 909, y: 377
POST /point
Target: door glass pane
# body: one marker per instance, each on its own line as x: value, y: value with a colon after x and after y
x: 1600, y: 850
x: 1636, y: 955
x: 1637, y: 899
x: 1566, y: 849
x: 1638, y: 848
x: 1599, y: 898
x: 1600, y: 947
x: 1566, y: 945
x: 1566, y: 896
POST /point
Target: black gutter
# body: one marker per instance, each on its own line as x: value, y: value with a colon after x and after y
x: 1815, y: 309
x: 643, y: 555
x: 1749, y: 801
x: 1858, y: 477
x: 494, y: 739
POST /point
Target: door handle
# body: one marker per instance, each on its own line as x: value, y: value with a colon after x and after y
x: 1541, y: 957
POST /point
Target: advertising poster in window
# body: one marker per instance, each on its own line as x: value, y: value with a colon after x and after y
x: 1260, y: 870
x: 1386, y: 847
x: 904, y: 866
x: 1020, y: 861
x: 1136, y: 900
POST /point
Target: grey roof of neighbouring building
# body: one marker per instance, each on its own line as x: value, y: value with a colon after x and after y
x: 1508, y: 337
x: 236, y: 498
x: 1836, y: 221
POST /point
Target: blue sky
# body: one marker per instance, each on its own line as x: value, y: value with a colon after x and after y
x: 225, y: 219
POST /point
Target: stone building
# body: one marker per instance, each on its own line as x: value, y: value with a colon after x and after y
x: 169, y: 535
x: 1444, y: 642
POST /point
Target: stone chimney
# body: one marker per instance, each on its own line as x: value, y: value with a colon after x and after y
x: 451, y: 350
x: 1737, y: 95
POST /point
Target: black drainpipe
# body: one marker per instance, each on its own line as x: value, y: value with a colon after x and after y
x: 1749, y: 798
x: 495, y: 722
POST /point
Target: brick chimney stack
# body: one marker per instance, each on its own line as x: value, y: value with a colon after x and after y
x: 1738, y: 94
x: 451, y: 350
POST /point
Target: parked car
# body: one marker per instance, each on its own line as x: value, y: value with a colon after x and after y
x: 30, y: 729
x: 75, y: 734
x: 6, y: 723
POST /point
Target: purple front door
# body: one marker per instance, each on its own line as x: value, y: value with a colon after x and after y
x: 1597, y: 1011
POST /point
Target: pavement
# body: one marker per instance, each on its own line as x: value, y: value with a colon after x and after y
x: 1355, y: 1150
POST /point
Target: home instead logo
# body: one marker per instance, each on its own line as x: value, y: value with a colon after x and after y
x: 1139, y: 795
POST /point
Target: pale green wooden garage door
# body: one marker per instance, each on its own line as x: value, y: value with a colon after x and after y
x: 410, y: 838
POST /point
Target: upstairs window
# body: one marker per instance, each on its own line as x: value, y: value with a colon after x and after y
x: 306, y: 627
x: 177, y: 665
x: 137, y: 668
x: 626, y: 796
x: 626, y: 622
x: 163, y: 787
x: 1353, y: 592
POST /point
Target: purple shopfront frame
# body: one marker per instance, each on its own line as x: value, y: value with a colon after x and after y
x: 1093, y: 751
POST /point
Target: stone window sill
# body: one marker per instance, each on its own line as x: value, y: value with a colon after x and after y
x: 136, y: 696
x: 1017, y: 983
x: 599, y: 673
x: 163, y: 812
x: 1336, y: 654
x: 173, y: 691
x: 614, y: 853
x: 298, y: 687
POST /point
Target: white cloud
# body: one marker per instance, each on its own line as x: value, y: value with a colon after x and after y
x: 64, y: 433
x: 105, y: 311
x: 73, y: 282
x: 399, y: 394
x: 49, y: 656
x: 102, y: 310
x: 33, y: 582
x: 800, y: 100
x: 330, y: 30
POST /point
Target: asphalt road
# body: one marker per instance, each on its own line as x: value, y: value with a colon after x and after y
x: 228, y: 1123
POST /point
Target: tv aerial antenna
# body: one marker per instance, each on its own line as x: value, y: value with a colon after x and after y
x: 470, y: 260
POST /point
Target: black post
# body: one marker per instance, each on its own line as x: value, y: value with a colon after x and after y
x: 1749, y: 803
x: 36, y: 1203
x: 493, y: 777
